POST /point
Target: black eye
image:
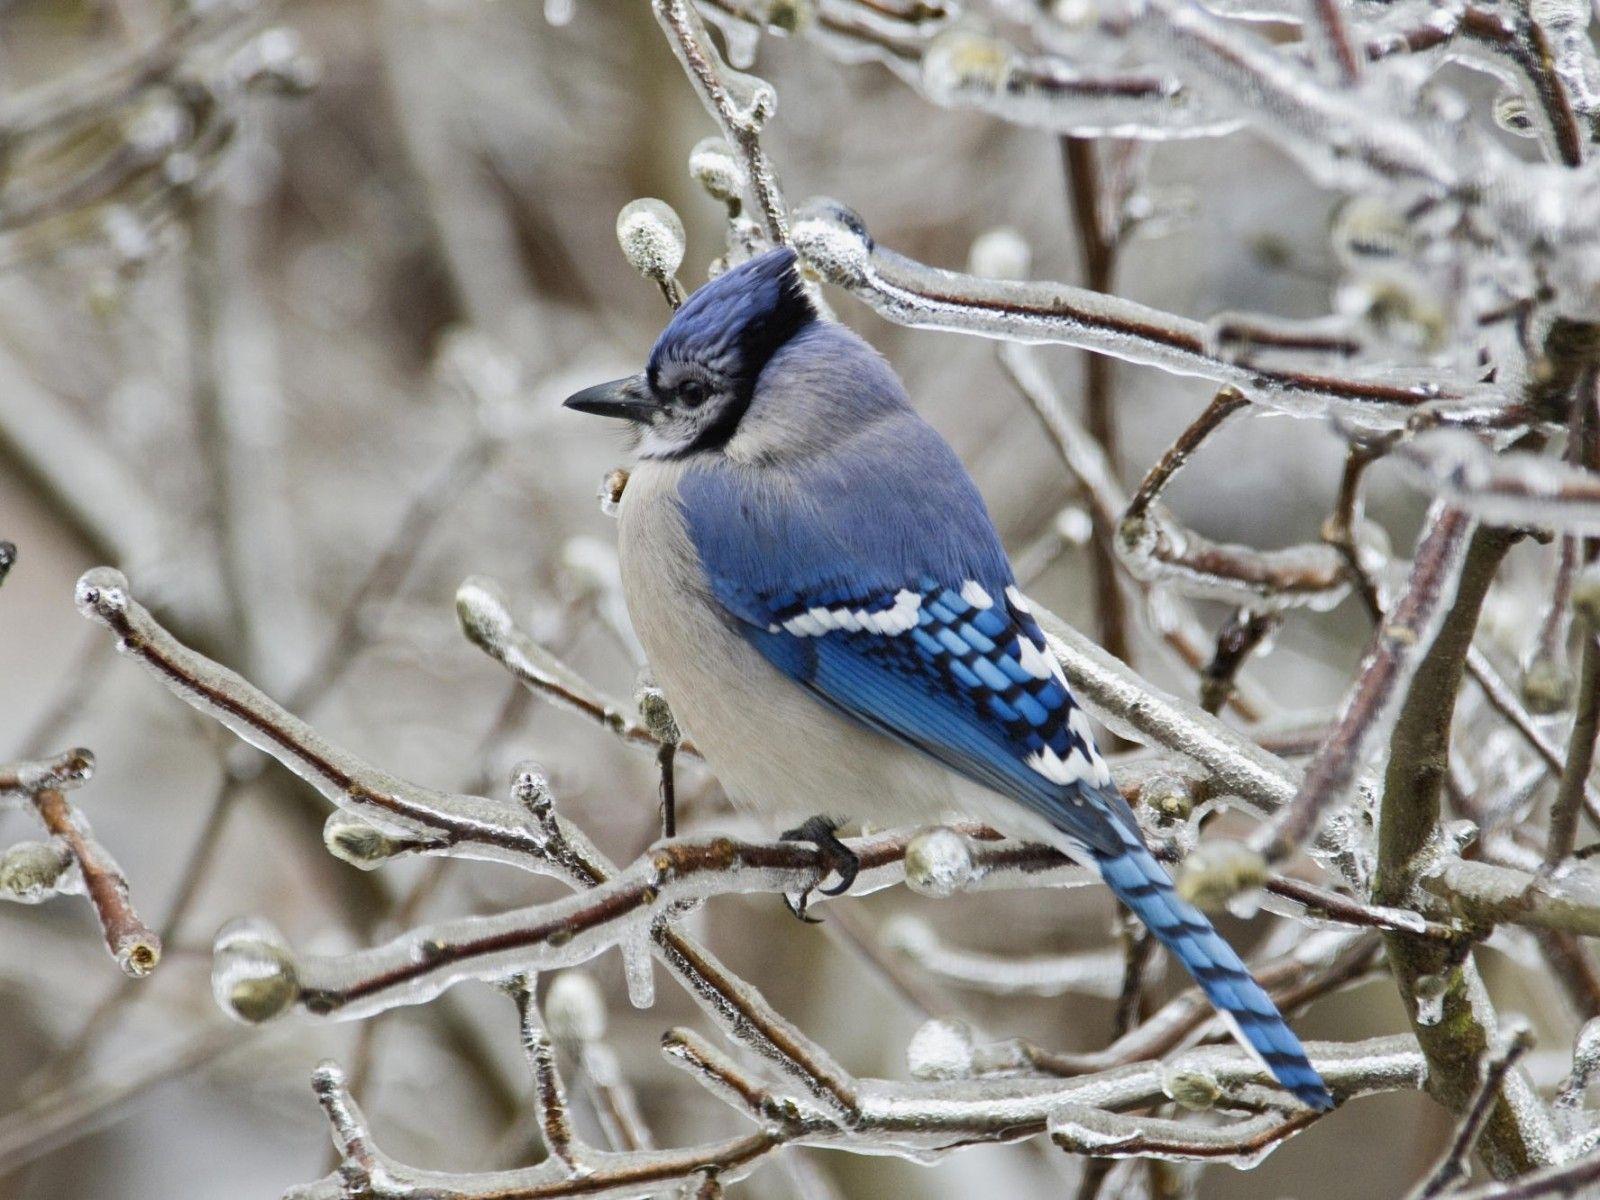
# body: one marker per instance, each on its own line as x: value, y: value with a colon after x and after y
x: 691, y: 393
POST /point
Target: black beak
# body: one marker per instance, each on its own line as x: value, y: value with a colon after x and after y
x: 628, y: 399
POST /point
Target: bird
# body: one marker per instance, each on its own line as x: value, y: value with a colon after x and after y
x: 823, y: 597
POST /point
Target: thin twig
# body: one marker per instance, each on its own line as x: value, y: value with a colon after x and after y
x: 1452, y: 1169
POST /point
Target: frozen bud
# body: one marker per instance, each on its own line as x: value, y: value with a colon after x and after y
x: 1369, y: 228
x: 530, y: 787
x: 1398, y: 310
x: 1169, y: 795
x: 1218, y: 871
x: 1075, y: 14
x: 575, y: 1008
x: 938, y: 863
x: 1511, y: 114
x: 1074, y: 525
x: 963, y: 60
x: 941, y: 1049
x: 160, y: 127
x: 1548, y: 685
x: 789, y: 16
x: 278, y: 60
x: 33, y: 871
x: 358, y: 842
x: 654, y: 710
x: 1586, y: 595
x: 833, y: 240
x: 102, y: 594
x: 128, y: 236
x: 482, y: 610
x: 611, y: 489
x: 1000, y: 253
x: 1193, y: 1087
x: 66, y: 771
x: 252, y: 972
x: 716, y: 167
x: 651, y: 237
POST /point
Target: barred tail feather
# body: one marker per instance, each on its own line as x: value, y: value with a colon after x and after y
x: 1141, y: 883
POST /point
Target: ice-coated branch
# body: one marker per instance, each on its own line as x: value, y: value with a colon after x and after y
x: 1136, y: 709
x: 1079, y: 1129
x: 549, y: 1091
x: 111, y: 152
x: 834, y: 241
x: 1327, y: 127
x: 910, y: 1119
x: 1504, y: 701
x: 1153, y: 546
x: 1452, y: 1169
x: 368, y: 1173
x: 741, y: 104
x: 425, y: 819
x: 1570, y: 1181
x: 943, y: 1112
x: 663, y: 886
x: 1333, y: 51
x: 1568, y: 900
x: 1089, y: 973
x: 72, y: 861
x: 966, y: 68
x: 486, y: 619
x: 1514, y: 488
x: 1398, y: 647
x: 1321, y: 964
x: 1449, y: 1006
x: 1572, y: 788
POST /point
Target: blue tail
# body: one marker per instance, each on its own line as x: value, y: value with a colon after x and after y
x: 1141, y: 883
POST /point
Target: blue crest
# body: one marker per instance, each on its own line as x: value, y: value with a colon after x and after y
x: 734, y: 323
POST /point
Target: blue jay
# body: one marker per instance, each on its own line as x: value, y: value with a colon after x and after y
x: 823, y: 596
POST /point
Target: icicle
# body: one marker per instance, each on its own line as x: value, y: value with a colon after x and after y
x: 639, y: 967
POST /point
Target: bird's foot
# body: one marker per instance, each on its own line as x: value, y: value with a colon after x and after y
x: 821, y: 832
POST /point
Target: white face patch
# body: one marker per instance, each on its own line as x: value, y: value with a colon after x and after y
x: 974, y: 595
x: 890, y: 622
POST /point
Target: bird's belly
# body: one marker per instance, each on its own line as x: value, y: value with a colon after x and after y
x: 777, y: 750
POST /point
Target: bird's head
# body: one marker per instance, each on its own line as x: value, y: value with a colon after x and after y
x: 703, y: 369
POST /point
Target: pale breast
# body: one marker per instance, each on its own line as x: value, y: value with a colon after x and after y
x: 776, y: 748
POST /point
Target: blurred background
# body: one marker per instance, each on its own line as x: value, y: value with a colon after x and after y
x: 297, y: 372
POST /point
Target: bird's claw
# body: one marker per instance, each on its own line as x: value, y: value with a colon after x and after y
x: 821, y: 832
